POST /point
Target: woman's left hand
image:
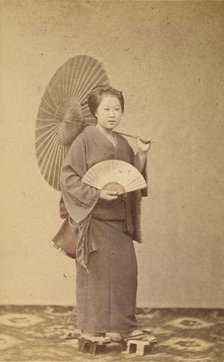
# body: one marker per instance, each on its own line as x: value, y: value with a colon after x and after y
x: 144, y: 143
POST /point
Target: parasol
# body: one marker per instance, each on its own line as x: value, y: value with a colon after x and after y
x: 63, y: 112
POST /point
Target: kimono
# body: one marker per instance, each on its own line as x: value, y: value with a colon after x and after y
x: 106, y: 267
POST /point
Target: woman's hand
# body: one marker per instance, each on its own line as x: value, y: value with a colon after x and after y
x: 144, y: 143
x: 108, y: 195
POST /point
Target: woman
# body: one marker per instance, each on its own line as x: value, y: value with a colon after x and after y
x: 104, y: 224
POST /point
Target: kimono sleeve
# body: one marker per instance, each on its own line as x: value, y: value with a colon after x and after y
x: 144, y: 192
x: 78, y: 197
x: 133, y: 158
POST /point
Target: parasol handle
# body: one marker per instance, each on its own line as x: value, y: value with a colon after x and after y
x: 86, y: 124
x: 126, y: 134
x: 129, y: 135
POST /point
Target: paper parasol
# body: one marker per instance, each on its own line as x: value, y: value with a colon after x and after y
x: 63, y: 113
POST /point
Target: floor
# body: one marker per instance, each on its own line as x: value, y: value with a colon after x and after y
x: 38, y: 334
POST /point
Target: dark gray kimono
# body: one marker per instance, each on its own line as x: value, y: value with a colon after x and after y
x: 106, y: 289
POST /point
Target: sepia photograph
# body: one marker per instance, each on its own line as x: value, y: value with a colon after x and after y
x: 112, y: 181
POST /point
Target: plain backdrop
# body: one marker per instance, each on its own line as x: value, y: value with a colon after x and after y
x: 167, y: 58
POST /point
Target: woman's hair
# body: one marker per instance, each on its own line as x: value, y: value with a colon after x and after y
x: 96, y: 94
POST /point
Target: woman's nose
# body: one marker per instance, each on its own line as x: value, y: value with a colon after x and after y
x: 111, y: 114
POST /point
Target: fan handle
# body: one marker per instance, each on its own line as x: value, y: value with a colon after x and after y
x: 114, y: 187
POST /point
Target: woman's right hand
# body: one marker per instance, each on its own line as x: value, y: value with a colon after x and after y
x: 108, y: 195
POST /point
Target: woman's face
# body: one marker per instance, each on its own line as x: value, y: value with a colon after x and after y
x: 109, y: 112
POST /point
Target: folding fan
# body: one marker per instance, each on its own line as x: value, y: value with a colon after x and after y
x: 115, y: 176
x: 63, y: 112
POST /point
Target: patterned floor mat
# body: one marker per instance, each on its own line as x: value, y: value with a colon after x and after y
x: 38, y: 334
